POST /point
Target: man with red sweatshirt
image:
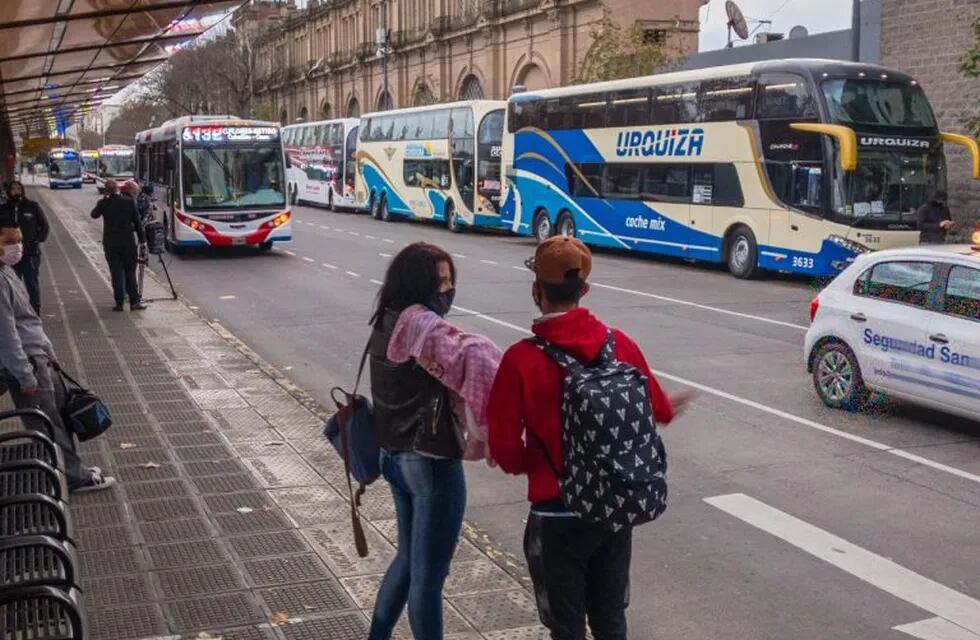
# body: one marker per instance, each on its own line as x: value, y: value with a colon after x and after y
x: 580, y: 570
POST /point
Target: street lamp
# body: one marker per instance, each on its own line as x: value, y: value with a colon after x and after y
x: 382, y: 37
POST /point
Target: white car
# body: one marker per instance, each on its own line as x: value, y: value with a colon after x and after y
x: 902, y: 321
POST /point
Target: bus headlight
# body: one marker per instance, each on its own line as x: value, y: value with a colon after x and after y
x: 196, y: 225
x: 278, y: 221
x: 850, y: 245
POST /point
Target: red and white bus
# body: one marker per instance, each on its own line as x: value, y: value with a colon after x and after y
x: 116, y: 162
x: 220, y: 180
x: 321, y: 159
x: 90, y: 165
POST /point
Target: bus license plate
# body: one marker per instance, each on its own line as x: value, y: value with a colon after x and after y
x: 239, y: 240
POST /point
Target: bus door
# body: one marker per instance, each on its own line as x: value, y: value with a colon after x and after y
x: 462, y: 136
x: 350, y: 162
x: 489, y: 139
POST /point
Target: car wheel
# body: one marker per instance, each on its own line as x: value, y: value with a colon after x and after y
x: 566, y: 225
x: 542, y: 226
x: 837, y: 377
x: 743, y: 254
x: 452, y: 220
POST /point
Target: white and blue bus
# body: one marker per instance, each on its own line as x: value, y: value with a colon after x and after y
x: 64, y: 168
x: 792, y: 166
x: 321, y: 162
x: 439, y: 162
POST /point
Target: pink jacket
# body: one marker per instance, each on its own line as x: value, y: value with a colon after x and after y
x: 465, y: 363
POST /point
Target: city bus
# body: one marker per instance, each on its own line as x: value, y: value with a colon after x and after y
x: 64, y: 168
x: 321, y: 162
x: 791, y: 166
x: 90, y: 165
x: 116, y: 162
x: 440, y: 162
x: 220, y: 179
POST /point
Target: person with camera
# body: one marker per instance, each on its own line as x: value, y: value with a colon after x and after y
x: 27, y: 364
x: 122, y: 222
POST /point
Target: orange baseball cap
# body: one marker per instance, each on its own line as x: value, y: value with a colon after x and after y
x: 559, y: 257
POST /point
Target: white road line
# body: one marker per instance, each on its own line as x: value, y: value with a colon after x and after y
x: 876, y: 570
x: 308, y: 259
x: 336, y: 229
x: 389, y: 241
x: 385, y: 255
x: 370, y: 237
x: 328, y: 265
x: 459, y: 255
x: 377, y: 282
x: 288, y: 252
x: 806, y: 422
x: 489, y: 262
x: 688, y: 303
x: 353, y: 233
x: 936, y: 629
x: 226, y: 297
x: 325, y: 227
x: 352, y: 274
x: 519, y: 268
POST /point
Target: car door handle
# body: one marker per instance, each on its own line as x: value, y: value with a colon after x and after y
x: 859, y: 317
x: 940, y: 338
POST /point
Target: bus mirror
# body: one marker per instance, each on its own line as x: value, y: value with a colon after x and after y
x: 845, y: 136
x: 971, y: 146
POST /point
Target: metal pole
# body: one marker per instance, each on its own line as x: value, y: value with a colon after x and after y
x: 856, y: 30
x: 384, y: 55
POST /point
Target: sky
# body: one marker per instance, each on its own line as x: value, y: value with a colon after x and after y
x: 816, y: 15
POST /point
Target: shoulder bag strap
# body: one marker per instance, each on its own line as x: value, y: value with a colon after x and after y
x: 360, y: 540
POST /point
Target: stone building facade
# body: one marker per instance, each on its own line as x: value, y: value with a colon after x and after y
x: 324, y: 62
x: 926, y: 39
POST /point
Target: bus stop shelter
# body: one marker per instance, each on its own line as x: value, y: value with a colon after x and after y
x: 60, y: 59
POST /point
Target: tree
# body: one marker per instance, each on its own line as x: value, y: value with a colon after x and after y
x: 132, y: 118
x: 617, y: 52
x: 970, y: 67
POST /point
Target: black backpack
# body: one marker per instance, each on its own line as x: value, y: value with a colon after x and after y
x: 615, y: 462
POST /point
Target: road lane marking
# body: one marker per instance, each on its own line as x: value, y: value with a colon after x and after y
x: 696, y: 305
x: 288, y: 252
x: 806, y: 422
x: 377, y: 282
x: 325, y: 227
x: 489, y: 262
x: 329, y: 266
x: 370, y: 237
x: 308, y: 259
x: 385, y: 255
x: 876, y: 570
x: 352, y: 274
x: 353, y: 233
x: 936, y: 629
x: 459, y: 255
x: 519, y: 268
x: 226, y: 297
x: 389, y: 241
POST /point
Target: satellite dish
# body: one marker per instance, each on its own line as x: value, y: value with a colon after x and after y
x: 736, y: 22
x: 799, y: 31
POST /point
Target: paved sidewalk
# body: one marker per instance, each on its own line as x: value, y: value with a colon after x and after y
x: 228, y: 521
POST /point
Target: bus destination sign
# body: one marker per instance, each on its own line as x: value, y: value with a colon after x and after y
x: 212, y: 135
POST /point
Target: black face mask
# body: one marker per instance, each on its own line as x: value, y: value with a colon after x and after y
x: 442, y: 302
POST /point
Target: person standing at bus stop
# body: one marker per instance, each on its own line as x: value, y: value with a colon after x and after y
x: 121, y: 223
x: 25, y: 214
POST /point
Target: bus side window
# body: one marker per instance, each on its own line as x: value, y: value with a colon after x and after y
x: 630, y: 108
x: 784, y: 95
x: 725, y: 100
x: 675, y: 103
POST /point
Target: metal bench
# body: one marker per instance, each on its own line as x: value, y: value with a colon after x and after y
x: 32, y: 477
x: 41, y: 613
x: 35, y: 514
x: 35, y: 561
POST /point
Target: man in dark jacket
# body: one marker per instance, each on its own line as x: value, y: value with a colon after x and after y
x: 25, y: 214
x: 122, y: 221
x: 934, y: 220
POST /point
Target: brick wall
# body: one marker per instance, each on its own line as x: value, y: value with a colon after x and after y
x: 926, y: 39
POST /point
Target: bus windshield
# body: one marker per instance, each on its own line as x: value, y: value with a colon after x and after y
x: 116, y: 166
x: 65, y: 168
x: 89, y: 163
x: 877, y: 102
x: 890, y: 186
x: 232, y: 177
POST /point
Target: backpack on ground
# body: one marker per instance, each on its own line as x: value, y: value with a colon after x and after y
x: 615, y: 462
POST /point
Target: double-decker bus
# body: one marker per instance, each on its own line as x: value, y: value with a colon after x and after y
x: 221, y: 180
x: 321, y: 162
x: 90, y: 165
x: 440, y: 162
x: 792, y: 166
x: 116, y: 162
x: 64, y: 168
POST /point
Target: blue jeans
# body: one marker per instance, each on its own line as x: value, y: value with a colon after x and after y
x: 29, y: 269
x: 430, y: 498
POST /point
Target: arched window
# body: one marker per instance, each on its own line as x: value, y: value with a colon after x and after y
x: 471, y: 89
x: 532, y: 77
x: 283, y: 117
x: 385, y: 102
x: 422, y: 95
x: 326, y: 111
x: 304, y: 114
x: 353, y: 108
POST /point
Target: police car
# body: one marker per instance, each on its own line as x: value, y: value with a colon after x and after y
x: 902, y: 321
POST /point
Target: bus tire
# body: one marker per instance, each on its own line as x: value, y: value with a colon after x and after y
x: 566, y: 225
x: 743, y: 253
x: 330, y: 206
x: 384, y: 213
x: 541, y: 226
x: 265, y: 246
x: 374, y: 206
x: 452, y: 219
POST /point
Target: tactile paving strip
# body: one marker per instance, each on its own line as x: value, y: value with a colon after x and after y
x: 293, y: 496
x: 302, y: 599
x: 186, y: 554
x: 258, y: 448
x: 218, y: 399
x: 215, y: 611
x: 189, y: 581
x: 286, y: 570
x: 226, y: 483
x: 498, y: 609
x: 268, y: 544
x: 240, y: 419
x: 175, y: 531
x: 322, y: 513
x: 123, y: 623
x: 157, y: 510
x: 345, y: 627
x: 230, y: 502
x: 523, y: 633
x: 476, y: 576
x: 232, y: 523
x: 287, y: 470
x: 116, y: 591
x: 335, y: 545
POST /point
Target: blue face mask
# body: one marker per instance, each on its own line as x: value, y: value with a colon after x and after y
x: 442, y: 302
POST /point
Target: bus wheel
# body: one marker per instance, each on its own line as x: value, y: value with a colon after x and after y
x: 566, y: 225
x: 265, y: 246
x: 542, y: 226
x: 452, y: 219
x: 375, y: 207
x: 383, y: 212
x: 743, y: 253
x: 330, y: 206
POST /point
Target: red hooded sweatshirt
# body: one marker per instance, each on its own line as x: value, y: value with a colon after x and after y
x: 526, y: 397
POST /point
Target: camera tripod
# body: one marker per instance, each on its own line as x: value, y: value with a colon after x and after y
x: 144, y: 261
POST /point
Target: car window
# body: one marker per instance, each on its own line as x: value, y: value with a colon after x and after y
x: 963, y: 293
x: 905, y: 282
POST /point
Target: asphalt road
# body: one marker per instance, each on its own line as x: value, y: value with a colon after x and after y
x: 788, y: 519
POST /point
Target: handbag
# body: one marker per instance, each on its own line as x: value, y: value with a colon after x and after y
x: 83, y: 412
x: 351, y: 433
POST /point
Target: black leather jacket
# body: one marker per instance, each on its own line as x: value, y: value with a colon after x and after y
x: 412, y: 410
x: 27, y: 215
